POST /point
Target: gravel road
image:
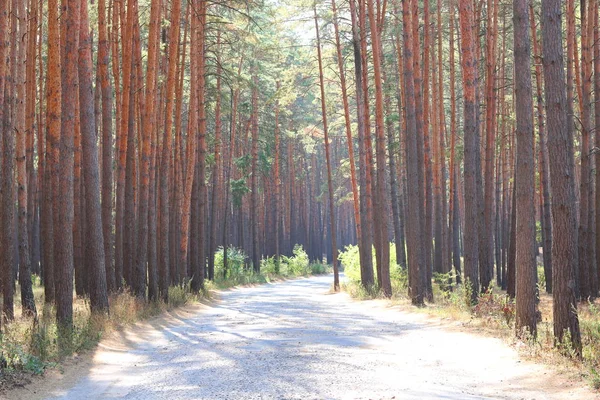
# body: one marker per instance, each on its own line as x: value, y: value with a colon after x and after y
x: 294, y: 340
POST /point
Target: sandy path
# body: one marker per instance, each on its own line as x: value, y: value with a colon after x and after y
x: 294, y: 341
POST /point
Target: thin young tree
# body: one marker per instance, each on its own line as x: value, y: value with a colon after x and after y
x: 332, y: 231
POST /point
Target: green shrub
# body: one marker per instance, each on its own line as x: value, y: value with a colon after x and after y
x: 296, y: 265
x: 235, y: 262
x: 350, y: 259
x: 319, y: 269
x: 269, y: 266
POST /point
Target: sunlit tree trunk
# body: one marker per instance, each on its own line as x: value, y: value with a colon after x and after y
x: 332, y: 225
x: 416, y: 289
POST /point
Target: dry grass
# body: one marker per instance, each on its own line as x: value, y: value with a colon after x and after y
x: 29, y: 346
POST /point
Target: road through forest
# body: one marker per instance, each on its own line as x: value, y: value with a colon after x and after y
x: 294, y: 340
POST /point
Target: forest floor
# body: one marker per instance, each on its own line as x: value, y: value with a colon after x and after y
x: 296, y: 340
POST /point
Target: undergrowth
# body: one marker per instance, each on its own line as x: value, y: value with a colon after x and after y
x: 31, y: 344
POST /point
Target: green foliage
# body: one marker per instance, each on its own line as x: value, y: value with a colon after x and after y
x: 270, y: 266
x: 15, y: 357
x: 235, y: 262
x: 350, y: 259
x: 445, y: 281
x: 319, y: 269
x: 296, y: 265
x: 594, y: 378
x: 238, y: 190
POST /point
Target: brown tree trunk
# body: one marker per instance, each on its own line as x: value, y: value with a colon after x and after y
x: 254, y: 179
x: 107, y: 146
x: 166, y: 157
x: 543, y: 160
x: 63, y: 248
x: 366, y: 237
x: 525, y: 318
x: 560, y: 149
x: 424, y: 119
x: 199, y: 271
x: 8, y: 167
x: 121, y: 264
x: 469, y: 73
x: 190, y: 154
x: 332, y: 230
x: 487, y: 237
x: 596, y: 262
x: 27, y: 299
x: 216, y: 208
x: 141, y: 263
x: 51, y: 158
x: 454, y: 214
x: 340, y: 60
x: 584, y: 184
x: 416, y: 263
x: 94, y: 238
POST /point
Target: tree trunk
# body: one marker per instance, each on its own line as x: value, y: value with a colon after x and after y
x: 64, y: 247
x: 27, y: 299
x: 525, y: 318
x: 472, y: 148
x: 560, y: 149
x: 332, y: 230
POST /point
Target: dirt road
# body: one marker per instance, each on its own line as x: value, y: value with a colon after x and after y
x: 293, y: 340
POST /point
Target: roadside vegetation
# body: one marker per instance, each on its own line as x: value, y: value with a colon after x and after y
x: 30, y: 345
x: 493, y: 313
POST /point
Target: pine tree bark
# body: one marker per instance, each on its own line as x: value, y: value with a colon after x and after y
x: 166, y: 156
x: 416, y: 263
x: 525, y: 317
x: 216, y: 207
x: 107, y: 146
x: 94, y: 238
x: 27, y: 299
x: 51, y: 158
x: 366, y: 238
x: 332, y: 226
x: 543, y: 160
x: 340, y: 60
x: 8, y: 167
x: 63, y: 247
x: 560, y: 149
x: 254, y: 179
x: 471, y: 140
x: 141, y: 264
